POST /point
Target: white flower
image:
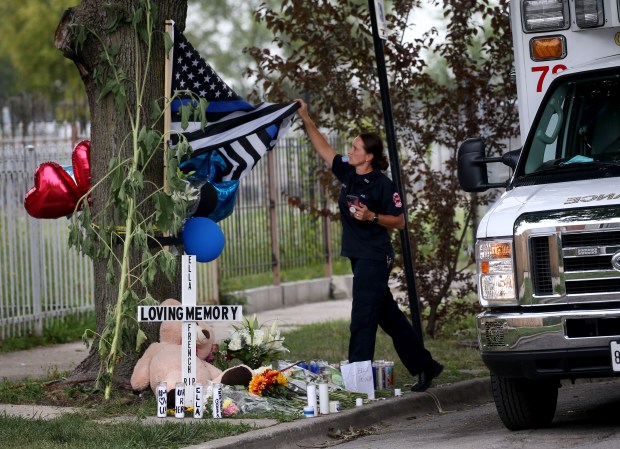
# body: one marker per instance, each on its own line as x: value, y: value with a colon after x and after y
x: 235, y: 342
x: 245, y: 334
x: 274, y: 328
x: 190, y: 193
x: 258, y: 337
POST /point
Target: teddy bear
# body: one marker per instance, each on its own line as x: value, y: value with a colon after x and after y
x: 161, y: 362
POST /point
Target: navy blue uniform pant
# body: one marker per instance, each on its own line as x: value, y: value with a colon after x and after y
x: 373, y: 305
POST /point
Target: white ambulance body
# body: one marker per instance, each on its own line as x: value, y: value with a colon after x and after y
x: 551, y: 36
x: 548, y: 251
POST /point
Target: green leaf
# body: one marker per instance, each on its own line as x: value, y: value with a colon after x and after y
x: 144, y: 35
x: 120, y: 98
x: 148, y: 300
x: 163, y: 210
x: 203, y: 112
x: 85, y: 338
x: 182, y: 149
x: 80, y: 38
x: 168, y: 43
x: 155, y: 110
x: 110, y: 86
x: 140, y: 339
x: 168, y: 264
x: 149, y: 269
x: 114, y: 50
x: 185, y: 114
x: 137, y: 18
x: 114, y: 14
x: 110, y: 275
x: 138, y: 180
x: 140, y: 238
x: 112, y: 163
x: 149, y: 139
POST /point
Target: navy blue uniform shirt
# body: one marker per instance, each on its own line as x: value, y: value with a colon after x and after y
x: 365, y: 239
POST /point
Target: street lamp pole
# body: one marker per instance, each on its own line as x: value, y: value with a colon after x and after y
x: 376, y: 10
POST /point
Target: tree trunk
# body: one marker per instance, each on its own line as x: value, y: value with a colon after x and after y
x: 109, y: 130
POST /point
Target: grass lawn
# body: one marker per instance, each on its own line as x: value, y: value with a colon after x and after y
x: 329, y: 341
x: 324, y: 341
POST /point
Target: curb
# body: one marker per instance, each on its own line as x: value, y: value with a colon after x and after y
x: 437, y: 400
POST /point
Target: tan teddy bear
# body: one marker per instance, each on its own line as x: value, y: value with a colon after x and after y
x: 161, y: 362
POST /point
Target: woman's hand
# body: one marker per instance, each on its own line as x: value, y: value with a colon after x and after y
x: 362, y: 213
x: 303, y: 109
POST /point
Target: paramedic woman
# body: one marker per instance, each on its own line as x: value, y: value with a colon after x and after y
x: 370, y: 206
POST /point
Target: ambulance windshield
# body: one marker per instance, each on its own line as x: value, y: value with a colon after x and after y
x: 579, y: 128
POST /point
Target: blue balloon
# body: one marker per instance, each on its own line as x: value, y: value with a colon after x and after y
x: 203, y: 238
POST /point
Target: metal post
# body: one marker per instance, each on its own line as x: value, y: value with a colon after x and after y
x: 396, y: 170
x: 35, y: 254
x: 273, y: 217
x: 327, y: 239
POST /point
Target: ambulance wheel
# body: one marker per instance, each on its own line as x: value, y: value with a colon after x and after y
x: 524, y: 403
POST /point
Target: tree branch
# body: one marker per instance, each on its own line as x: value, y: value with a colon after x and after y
x: 64, y: 40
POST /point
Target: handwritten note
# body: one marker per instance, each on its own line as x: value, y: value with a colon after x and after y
x: 358, y: 378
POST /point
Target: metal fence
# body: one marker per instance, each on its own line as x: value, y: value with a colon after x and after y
x: 265, y: 234
x: 42, y: 279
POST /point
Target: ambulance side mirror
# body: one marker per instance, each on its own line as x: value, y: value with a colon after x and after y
x: 511, y: 158
x: 472, y: 165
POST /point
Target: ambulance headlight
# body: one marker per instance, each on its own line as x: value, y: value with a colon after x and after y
x: 589, y: 13
x: 496, y: 276
x: 544, y: 15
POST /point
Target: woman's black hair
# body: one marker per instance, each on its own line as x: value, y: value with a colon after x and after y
x: 374, y: 145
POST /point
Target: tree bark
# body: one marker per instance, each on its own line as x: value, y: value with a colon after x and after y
x: 109, y: 131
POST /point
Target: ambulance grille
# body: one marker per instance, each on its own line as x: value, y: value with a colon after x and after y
x: 541, y: 267
x: 569, y: 257
x: 590, y: 273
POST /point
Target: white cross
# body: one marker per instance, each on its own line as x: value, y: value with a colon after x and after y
x: 189, y: 313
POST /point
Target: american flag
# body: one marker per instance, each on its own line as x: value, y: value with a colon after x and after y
x: 237, y: 133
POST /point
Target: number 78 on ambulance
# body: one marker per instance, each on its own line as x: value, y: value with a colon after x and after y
x: 551, y: 35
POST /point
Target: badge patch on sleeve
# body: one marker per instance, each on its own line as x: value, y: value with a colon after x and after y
x: 396, y: 199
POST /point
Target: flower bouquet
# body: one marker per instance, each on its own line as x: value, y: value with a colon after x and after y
x: 271, y: 383
x: 239, y: 401
x: 229, y: 408
x: 249, y: 343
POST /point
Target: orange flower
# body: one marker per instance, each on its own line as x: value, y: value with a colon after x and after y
x: 268, y: 383
x: 257, y: 385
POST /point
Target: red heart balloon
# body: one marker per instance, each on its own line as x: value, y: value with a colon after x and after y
x: 54, y: 194
x: 81, y: 166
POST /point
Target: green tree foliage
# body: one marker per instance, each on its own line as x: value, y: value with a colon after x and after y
x: 222, y: 30
x: 467, y: 92
x: 28, y: 28
x: 7, y: 76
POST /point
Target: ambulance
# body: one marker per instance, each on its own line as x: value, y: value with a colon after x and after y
x: 548, y: 250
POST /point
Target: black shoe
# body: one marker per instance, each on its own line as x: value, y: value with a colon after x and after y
x: 426, y: 377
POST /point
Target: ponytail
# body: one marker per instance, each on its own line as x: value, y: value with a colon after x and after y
x: 374, y: 145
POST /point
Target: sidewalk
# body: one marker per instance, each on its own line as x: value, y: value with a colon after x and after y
x: 39, y: 362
